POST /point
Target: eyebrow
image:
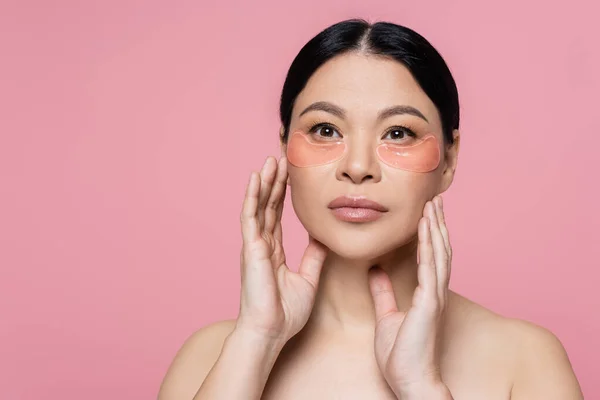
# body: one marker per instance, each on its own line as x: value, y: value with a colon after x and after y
x: 383, y: 114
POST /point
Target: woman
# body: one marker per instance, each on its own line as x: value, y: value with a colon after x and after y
x: 369, y: 141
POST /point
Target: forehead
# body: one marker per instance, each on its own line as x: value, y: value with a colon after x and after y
x: 363, y: 85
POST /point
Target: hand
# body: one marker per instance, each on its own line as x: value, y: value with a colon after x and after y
x: 406, y: 342
x: 275, y: 301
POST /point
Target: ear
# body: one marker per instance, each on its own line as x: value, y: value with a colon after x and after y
x: 450, y: 162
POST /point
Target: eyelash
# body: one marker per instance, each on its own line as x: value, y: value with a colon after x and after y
x: 405, y: 129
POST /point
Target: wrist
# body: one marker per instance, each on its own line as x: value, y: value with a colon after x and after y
x: 255, y: 342
x: 249, y: 358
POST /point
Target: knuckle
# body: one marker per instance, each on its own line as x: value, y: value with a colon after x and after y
x: 245, y: 214
x: 272, y: 204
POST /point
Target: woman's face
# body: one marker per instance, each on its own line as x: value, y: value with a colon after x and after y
x: 361, y: 86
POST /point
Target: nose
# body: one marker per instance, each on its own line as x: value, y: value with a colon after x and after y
x: 360, y: 163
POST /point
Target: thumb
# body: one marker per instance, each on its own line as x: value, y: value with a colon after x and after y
x: 382, y: 292
x: 312, y: 261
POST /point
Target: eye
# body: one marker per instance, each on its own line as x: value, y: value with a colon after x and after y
x: 324, y: 130
x: 399, y: 133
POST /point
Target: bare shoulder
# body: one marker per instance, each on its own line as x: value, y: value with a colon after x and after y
x: 539, y: 365
x: 543, y: 369
x: 194, y: 360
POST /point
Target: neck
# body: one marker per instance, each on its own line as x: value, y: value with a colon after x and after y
x: 344, y: 303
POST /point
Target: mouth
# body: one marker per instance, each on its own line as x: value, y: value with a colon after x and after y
x: 356, y: 209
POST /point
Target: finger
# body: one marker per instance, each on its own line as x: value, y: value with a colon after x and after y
x: 382, y: 292
x: 267, y: 174
x: 439, y: 252
x: 277, y: 231
x: 276, y: 197
x: 445, y: 234
x: 426, y: 270
x: 442, y: 222
x: 248, y: 217
x: 312, y: 262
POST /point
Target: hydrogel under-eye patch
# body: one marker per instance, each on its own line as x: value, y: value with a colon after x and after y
x: 422, y: 156
x: 304, y: 151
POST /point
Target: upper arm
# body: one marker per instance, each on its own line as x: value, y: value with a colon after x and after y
x: 194, y: 360
x: 543, y: 368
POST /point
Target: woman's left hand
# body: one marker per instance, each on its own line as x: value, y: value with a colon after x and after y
x: 406, y: 343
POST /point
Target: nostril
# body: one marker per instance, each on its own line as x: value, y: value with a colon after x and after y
x: 357, y: 178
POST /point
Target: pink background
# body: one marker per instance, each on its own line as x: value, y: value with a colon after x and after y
x: 129, y: 129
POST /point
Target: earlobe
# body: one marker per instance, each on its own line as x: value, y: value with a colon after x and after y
x: 452, y: 151
x: 456, y: 144
x: 281, y: 135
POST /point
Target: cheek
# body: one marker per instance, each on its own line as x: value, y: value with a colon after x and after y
x: 310, y: 185
x: 409, y: 192
x: 309, y: 194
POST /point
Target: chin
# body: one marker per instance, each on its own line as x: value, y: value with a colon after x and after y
x: 358, y: 242
x: 360, y: 253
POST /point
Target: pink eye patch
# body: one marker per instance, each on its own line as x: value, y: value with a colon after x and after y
x: 304, y: 151
x: 422, y: 156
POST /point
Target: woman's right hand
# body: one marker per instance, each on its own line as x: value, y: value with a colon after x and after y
x: 275, y: 302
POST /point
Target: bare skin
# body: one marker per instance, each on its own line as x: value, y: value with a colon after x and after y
x: 318, y: 333
x: 487, y: 356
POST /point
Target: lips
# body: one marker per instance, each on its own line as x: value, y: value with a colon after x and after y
x: 356, y: 209
x: 356, y: 202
